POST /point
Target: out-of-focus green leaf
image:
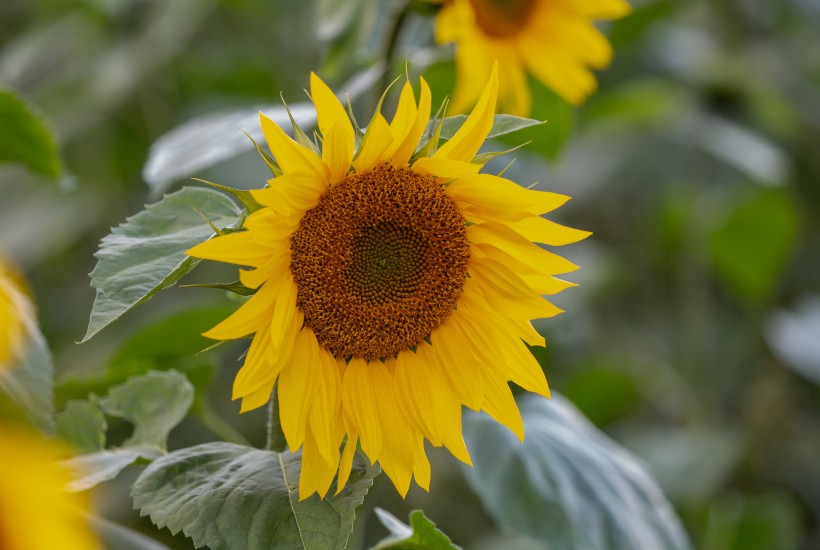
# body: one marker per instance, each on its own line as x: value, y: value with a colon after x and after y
x: 639, y: 102
x: 421, y: 534
x: 147, y: 253
x: 231, y: 497
x: 768, y: 521
x: 750, y: 250
x: 190, y: 148
x: 567, y: 484
x: 154, y: 403
x: 629, y: 30
x: 120, y: 537
x: 82, y: 425
x: 25, y: 139
x: 793, y: 336
x: 675, y: 459
x: 603, y: 394
x: 29, y: 380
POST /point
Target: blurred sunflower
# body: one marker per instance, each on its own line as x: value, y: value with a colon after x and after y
x: 554, y: 40
x: 16, y: 313
x: 393, y: 288
x: 36, y: 513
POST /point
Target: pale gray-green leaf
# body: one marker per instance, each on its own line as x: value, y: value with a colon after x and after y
x: 421, y: 534
x: 29, y: 380
x: 231, y: 497
x: 147, y: 253
x: 154, y: 403
x: 25, y: 139
x: 502, y: 125
x: 792, y: 335
x: 568, y: 484
x: 89, y: 470
x: 120, y: 537
x: 82, y: 425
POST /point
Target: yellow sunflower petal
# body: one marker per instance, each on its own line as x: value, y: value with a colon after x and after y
x: 445, y: 169
x: 466, y: 142
x: 248, y: 318
x: 234, y: 248
x: 499, y: 196
x: 374, y: 149
x: 298, y: 385
x: 359, y: 394
x: 514, y: 244
x: 292, y: 156
x: 500, y: 404
x: 329, y: 110
x: 337, y: 152
x: 346, y: 463
x: 407, y: 146
x: 421, y: 465
x: 316, y: 474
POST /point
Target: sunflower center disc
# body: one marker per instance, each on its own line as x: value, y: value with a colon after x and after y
x: 379, y: 262
x: 502, y: 18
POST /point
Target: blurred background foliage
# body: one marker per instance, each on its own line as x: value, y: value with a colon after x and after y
x: 694, y: 337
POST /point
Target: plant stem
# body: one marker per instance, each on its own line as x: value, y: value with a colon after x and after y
x: 276, y: 438
x: 393, y: 38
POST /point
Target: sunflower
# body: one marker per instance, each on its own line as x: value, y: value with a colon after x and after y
x: 554, y: 40
x: 15, y: 315
x: 395, y: 283
x: 36, y: 513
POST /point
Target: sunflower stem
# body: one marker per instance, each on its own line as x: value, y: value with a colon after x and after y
x: 276, y: 438
x: 393, y: 39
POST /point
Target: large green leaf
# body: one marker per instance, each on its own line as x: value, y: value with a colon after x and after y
x: 421, y: 534
x: 147, y: 253
x: 234, y: 497
x: 24, y: 138
x: 567, y: 484
x: 29, y: 380
x: 154, y: 403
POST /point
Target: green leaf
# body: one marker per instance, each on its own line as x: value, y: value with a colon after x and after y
x: 502, y: 125
x: 567, y: 484
x: 750, y: 250
x: 120, y: 537
x: 92, y: 469
x: 792, y: 336
x: 154, y: 403
x: 25, y: 139
x: 29, y: 380
x: 230, y: 497
x: 147, y: 253
x: 82, y: 425
x: 422, y: 533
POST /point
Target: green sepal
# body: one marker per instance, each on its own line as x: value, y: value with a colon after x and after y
x: 244, y: 197
x: 272, y: 165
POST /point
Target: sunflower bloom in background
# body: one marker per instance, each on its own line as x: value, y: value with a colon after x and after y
x: 16, y: 314
x: 36, y: 513
x: 553, y: 40
x: 392, y: 289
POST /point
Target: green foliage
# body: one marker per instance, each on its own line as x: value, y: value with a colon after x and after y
x: 25, y: 139
x: 154, y: 403
x: 29, y: 382
x: 147, y: 253
x: 750, y: 250
x: 421, y: 534
x: 567, y: 484
x: 603, y: 394
x: 82, y: 425
x: 234, y: 497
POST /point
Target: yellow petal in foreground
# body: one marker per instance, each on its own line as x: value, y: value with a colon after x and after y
x: 36, y: 512
x: 391, y: 291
